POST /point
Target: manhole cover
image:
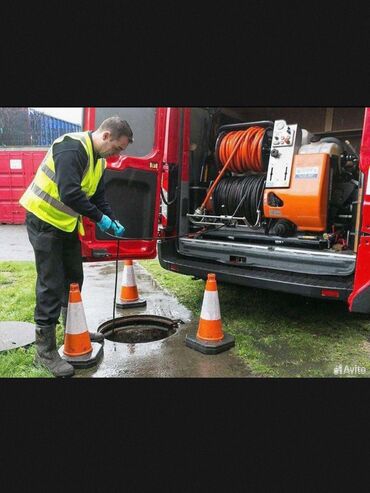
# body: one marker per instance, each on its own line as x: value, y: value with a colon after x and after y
x: 16, y: 334
x: 138, y: 329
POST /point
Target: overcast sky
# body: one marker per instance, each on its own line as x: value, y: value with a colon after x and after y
x: 73, y: 115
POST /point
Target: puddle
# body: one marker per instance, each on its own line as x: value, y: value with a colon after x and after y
x: 147, y: 350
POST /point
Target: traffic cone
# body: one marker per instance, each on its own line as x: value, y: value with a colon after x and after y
x: 78, y: 349
x: 210, y: 338
x: 129, y: 296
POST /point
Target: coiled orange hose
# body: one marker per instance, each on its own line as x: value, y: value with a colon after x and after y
x: 249, y: 154
x: 239, y: 152
x: 237, y: 143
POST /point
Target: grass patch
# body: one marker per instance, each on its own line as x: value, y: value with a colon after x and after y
x: 278, y: 334
x: 17, y: 303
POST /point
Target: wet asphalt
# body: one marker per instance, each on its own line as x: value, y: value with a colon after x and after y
x: 166, y: 358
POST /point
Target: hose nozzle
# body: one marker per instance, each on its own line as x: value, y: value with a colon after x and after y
x: 200, y: 211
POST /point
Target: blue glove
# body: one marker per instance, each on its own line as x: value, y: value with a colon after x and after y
x: 105, y: 223
x: 118, y: 228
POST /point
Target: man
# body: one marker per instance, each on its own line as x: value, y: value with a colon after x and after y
x: 67, y: 186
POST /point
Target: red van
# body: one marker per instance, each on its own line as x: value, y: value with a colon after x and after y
x: 274, y: 198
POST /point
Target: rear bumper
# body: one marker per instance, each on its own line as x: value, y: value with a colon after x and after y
x: 271, y: 257
x: 294, y: 283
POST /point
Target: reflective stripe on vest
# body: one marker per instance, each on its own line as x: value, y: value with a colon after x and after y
x: 54, y: 202
x: 48, y: 172
x: 42, y: 196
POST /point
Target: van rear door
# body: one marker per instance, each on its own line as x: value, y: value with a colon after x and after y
x: 132, y: 183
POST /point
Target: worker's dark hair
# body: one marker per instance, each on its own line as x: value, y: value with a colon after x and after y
x: 117, y: 127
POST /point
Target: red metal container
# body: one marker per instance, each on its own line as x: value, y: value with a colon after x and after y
x: 17, y: 169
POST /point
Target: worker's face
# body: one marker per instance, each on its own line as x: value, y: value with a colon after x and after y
x: 112, y: 147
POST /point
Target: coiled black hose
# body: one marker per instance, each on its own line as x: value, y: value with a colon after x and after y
x: 240, y: 196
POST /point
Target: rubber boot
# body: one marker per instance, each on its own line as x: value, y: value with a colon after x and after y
x: 94, y: 336
x: 47, y: 354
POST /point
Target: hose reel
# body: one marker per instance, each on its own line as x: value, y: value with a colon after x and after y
x: 240, y: 195
x: 242, y: 151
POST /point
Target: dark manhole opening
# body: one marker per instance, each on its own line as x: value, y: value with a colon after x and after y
x: 138, y: 329
x: 136, y: 335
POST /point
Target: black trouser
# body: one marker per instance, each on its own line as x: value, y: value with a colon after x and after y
x: 58, y: 264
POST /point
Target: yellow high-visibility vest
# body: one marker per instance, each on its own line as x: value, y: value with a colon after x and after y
x: 42, y: 196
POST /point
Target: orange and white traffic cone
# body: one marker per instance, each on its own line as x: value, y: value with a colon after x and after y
x: 210, y: 338
x: 129, y: 295
x: 78, y: 349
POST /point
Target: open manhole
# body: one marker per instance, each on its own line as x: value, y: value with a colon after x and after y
x: 136, y: 329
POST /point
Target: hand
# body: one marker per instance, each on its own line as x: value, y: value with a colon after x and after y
x: 105, y: 223
x: 118, y: 229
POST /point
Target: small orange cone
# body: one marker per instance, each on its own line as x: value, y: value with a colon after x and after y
x: 129, y: 296
x: 78, y: 349
x: 210, y: 338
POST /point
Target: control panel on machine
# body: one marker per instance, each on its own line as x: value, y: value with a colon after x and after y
x: 286, y: 140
